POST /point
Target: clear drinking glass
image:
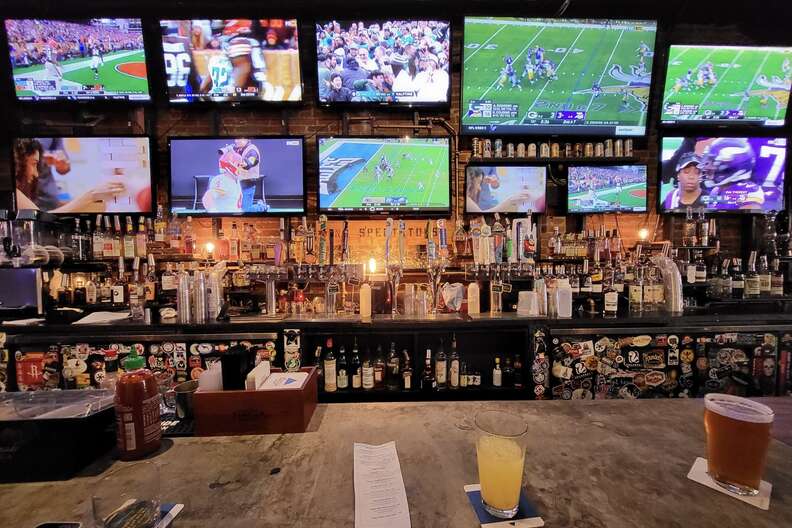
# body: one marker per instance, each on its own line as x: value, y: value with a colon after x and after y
x: 128, y: 497
x: 738, y: 435
x: 500, y: 451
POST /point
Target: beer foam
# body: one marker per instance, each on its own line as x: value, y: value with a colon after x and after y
x: 738, y: 408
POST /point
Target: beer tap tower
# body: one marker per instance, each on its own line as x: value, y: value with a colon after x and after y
x: 436, y: 260
x: 395, y: 271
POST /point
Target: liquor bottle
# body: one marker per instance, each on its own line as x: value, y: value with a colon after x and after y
x: 616, y: 245
x: 233, y: 243
x: 453, y: 369
x: 188, y: 238
x: 107, y: 239
x: 441, y: 368
x: 379, y: 369
x: 129, y: 242
x: 106, y: 291
x: 91, y: 291
x: 392, y: 369
x: 518, y: 372
x: 776, y: 280
x: 574, y: 282
x: 689, y: 229
x: 726, y: 284
x: 738, y: 279
x: 77, y: 242
x: 330, y: 380
x: 150, y: 236
x: 135, y: 292
x: 406, y: 373
x: 117, y: 240
x: 319, y: 364
x: 118, y: 290
x: 150, y: 292
x: 752, y: 287
x: 78, y: 293
x: 610, y: 304
x: 428, y: 382
x: 141, y: 239
x: 160, y: 225
x: 554, y: 243
x: 714, y: 290
x: 64, y: 292
x: 765, y: 277
x: 169, y: 279
x: 648, y: 288
x: 97, y: 242
x: 367, y: 371
x: 701, y: 268
x: 355, y: 367
x: 174, y: 235
x: 256, y: 250
x: 342, y: 373
x: 585, y: 279
x: 244, y: 246
x: 703, y: 229
x: 618, y: 275
x: 635, y: 291
x: 497, y: 373
x: 223, y: 247
x: 690, y: 274
x: 463, y: 375
x: 507, y: 376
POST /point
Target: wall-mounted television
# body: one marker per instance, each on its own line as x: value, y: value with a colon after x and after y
x: 78, y: 60
x: 722, y: 174
x: 389, y: 62
x: 80, y: 175
x: 384, y: 174
x: 237, y: 176
x: 231, y: 60
x: 556, y: 76
x: 727, y: 85
x: 505, y: 188
x: 606, y: 188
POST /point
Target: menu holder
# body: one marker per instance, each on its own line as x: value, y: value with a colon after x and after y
x: 244, y: 412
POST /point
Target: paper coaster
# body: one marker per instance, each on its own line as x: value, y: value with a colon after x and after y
x: 527, y: 516
x: 698, y: 473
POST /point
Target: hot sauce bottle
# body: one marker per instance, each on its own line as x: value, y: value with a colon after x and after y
x: 137, y: 405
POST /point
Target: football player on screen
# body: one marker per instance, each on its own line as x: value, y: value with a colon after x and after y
x: 52, y: 69
x: 244, y: 52
x: 728, y: 172
x: 182, y: 76
x: 96, y: 61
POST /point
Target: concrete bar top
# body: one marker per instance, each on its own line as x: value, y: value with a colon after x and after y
x: 591, y: 464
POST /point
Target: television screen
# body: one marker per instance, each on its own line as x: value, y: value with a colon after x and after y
x: 384, y: 174
x: 92, y: 59
x: 556, y: 76
x: 727, y: 84
x: 74, y: 175
x: 231, y: 60
x: 224, y: 175
x: 606, y: 189
x: 728, y: 174
x: 388, y: 62
x: 505, y: 189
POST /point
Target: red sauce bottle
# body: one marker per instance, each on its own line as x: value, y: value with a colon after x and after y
x: 137, y: 406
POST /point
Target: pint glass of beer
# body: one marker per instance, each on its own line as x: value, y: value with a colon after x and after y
x: 738, y: 434
x: 500, y: 450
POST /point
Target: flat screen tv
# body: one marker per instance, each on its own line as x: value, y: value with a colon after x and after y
x: 237, y: 176
x: 78, y: 60
x: 505, y: 188
x: 722, y: 174
x: 380, y: 175
x: 80, y: 175
x: 389, y: 62
x: 711, y: 85
x: 231, y: 60
x: 556, y: 76
x: 606, y: 189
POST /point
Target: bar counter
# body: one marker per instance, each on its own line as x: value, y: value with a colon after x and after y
x: 590, y: 464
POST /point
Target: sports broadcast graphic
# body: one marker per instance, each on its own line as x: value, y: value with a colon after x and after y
x: 73, y: 175
x: 600, y: 189
x: 505, y: 189
x: 734, y: 84
x: 101, y: 58
x: 384, y: 174
x: 236, y: 175
x: 524, y: 76
x: 723, y: 174
x: 231, y: 60
x: 384, y: 61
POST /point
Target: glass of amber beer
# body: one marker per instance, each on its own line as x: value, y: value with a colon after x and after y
x: 500, y: 451
x: 738, y: 434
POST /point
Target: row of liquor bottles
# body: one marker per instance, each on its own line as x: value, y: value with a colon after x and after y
x: 394, y: 371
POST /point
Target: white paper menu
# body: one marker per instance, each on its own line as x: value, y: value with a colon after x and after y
x: 380, y: 498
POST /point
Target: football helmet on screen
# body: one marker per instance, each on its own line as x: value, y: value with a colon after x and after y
x: 727, y: 160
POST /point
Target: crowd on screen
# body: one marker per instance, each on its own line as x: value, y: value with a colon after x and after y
x: 34, y: 41
x: 386, y: 61
x: 586, y: 178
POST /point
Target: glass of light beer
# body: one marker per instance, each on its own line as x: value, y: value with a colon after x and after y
x: 738, y: 435
x: 500, y: 451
